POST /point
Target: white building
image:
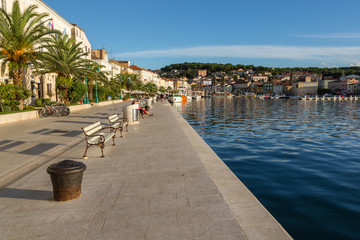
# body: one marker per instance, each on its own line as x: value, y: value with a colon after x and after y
x: 44, y: 86
x: 101, y: 57
x: 79, y: 35
x: 146, y: 75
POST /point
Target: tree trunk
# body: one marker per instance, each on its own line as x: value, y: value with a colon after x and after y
x: 66, y: 99
x: 17, y: 75
x: 90, y: 92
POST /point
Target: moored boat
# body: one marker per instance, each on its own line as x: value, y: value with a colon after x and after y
x: 175, y: 98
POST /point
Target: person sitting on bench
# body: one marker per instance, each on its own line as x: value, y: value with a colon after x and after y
x: 142, y: 111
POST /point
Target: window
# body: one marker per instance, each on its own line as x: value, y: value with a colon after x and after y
x: 33, y: 89
x: 49, y: 91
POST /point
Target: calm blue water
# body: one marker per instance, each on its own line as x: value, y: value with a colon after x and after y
x: 301, y: 159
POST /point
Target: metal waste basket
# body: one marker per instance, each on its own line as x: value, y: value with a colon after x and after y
x: 135, y: 114
x: 66, y: 177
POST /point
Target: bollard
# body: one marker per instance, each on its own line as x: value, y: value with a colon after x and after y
x: 66, y: 177
x: 132, y: 113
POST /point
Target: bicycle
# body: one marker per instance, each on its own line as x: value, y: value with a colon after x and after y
x: 64, y: 110
x: 54, y: 110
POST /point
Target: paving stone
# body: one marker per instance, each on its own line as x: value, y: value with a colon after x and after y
x: 218, y: 212
x: 120, y: 234
x: 204, y: 201
x: 191, y: 216
x: 116, y: 223
x: 41, y: 230
x: 188, y: 194
x: 161, y: 206
x: 196, y: 186
x: 83, y: 225
x: 182, y: 231
x: 67, y: 236
x: 225, y: 227
x: 156, y: 219
x: 230, y: 237
x: 164, y: 196
x: 174, y: 187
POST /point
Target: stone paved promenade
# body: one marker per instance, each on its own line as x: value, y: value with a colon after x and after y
x: 161, y: 181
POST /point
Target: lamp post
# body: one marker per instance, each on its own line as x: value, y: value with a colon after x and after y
x: 129, y: 79
x: 121, y: 88
x: 96, y: 93
x: 87, y: 91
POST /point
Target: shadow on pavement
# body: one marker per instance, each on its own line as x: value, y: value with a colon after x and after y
x: 26, y: 194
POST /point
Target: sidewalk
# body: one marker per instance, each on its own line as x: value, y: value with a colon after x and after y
x: 26, y: 144
x: 160, y: 181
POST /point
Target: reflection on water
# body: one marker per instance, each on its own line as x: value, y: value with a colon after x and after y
x: 300, y: 158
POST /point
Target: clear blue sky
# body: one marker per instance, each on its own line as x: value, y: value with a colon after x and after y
x: 277, y: 33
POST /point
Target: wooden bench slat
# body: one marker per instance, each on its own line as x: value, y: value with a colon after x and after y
x: 91, y: 126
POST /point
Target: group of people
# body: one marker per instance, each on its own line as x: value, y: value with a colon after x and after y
x: 142, y: 111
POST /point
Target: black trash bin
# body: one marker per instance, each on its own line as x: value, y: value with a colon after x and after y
x: 66, y: 178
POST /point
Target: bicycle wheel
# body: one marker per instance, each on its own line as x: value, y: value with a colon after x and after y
x: 57, y: 112
x: 43, y: 112
x: 67, y: 111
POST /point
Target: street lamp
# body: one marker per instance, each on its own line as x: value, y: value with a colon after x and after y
x: 96, y: 93
x: 129, y: 79
x: 87, y: 91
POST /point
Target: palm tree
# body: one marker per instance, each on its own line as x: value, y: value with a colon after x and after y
x: 22, y: 35
x: 64, y: 58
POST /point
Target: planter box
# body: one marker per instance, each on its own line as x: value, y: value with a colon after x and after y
x: 14, y: 117
x: 79, y: 107
x: 106, y: 103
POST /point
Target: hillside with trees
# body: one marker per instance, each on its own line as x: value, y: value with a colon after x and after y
x: 189, y: 69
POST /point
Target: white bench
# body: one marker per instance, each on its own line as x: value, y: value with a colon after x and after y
x: 94, y: 135
x: 116, y: 123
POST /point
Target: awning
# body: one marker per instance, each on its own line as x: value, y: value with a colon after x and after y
x: 138, y: 92
x: 124, y: 91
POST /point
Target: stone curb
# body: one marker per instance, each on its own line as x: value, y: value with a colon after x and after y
x: 15, y: 117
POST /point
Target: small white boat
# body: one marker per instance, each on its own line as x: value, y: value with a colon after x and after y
x: 175, y: 98
x: 197, y: 97
x: 197, y: 94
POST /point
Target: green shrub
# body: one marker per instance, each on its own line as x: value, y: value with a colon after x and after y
x: 77, y: 91
x: 64, y: 83
x: 7, y: 109
x: 101, y: 93
x: 11, y: 95
x: 39, y: 102
x: 47, y: 101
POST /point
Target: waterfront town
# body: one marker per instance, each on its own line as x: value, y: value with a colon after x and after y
x: 43, y: 84
x: 125, y: 164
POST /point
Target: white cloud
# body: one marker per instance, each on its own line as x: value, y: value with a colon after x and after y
x: 331, y: 55
x: 331, y: 36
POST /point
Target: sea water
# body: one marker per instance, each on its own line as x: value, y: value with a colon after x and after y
x: 300, y: 158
